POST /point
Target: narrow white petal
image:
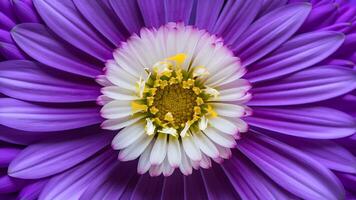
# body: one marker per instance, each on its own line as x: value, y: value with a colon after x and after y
x: 116, y: 124
x: 159, y: 149
x: 224, y: 152
x: 230, y: 94
x: 167, y: 168
x: 120, y: 77
x: 185, y: 166
x: 205, y: 162
x: 118, y: 93
x: 156, y: 170
x: 174, y: 154
x: 116, y: 109
x: 229, y: 110
x: 144, y: 163
x: 220, y: 138
x: 224, y: 125
x: 205, y: 145
x: 128, y: 135
x: 191, y: 149
x: 136, y: 149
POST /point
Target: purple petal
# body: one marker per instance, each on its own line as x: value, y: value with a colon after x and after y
x: 235, y: 18
x: 9, y: 184
x: 7, y: 9
x: 63, y: 18
x: 178, y: 10
x: 269, y: 5
x: 173, y: 187
x: 44, y: 118
x: 7, y: 154
x: 292, y: 169
x: 270, y: 31
x: 25, y: 12
x: 307, y: 86
x: 72, y: 183
x: 194, y: 187
x: 316, y: 122
x: 249, y: 182
x: 39, y: 43
x: 6, y: 22
x: 298, y: 53
x: 32, y: 191
x: 5, y: 36
x: 152, y: 12
x: 207, y: 13
x: 10, y: 51
x: 148, y: 188
x: 349, y: 181
x: 129, y: 14
x: 42, y: 159
x: 328, y: 153
x: 104, y: 20
x: 15, y: 136
x: 113, y: 184
x: 18, y: 77
x: 217, y: 184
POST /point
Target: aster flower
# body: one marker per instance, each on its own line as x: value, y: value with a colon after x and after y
x: 166, y: 99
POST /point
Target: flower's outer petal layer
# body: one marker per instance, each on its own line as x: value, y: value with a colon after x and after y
x: 307, y: 86
x: 7, y: 155
x: 73, y: 183
x: 250, y: 182
x: 235, y: 18
x: 178, y: 10
x: 45, y: 118
x: 64, y: 19
x: 298, y: 53
x: 148, y: 188
x: 25, y: 12
x: 152, y: 12
x: 32, y: 191
x: 11, y: 52
x: 270, y: 5
x: 207, y: 12
x: 15, y: 136
x: 104, y: 19
x: 194, y: 187
x: 291, y: 168
x: 317, y: 122
x: 40, y: 44
x: 129, y: 14
x: 31, y: 81
x: 113, y: 184
x: 174, y: 187
x: 42, y: 159
x: 9, y: 184
x: 270, y: 31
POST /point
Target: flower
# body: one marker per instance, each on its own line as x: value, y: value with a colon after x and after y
x: 226, y: 99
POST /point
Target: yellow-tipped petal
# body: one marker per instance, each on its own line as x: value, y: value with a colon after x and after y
x: 169, y: 131
x: 200, y: 71
x: 178, y: 58
x: 203, y: 123
x: 137, y: 107
x: 184, y: 132
x: 211, y: 91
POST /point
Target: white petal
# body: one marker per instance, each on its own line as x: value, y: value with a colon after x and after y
x: 220, y: 138
x: 103, y: 81
x: 205, y: 145
x: 205, y: 162
x: 191, y: 149
x: 159, y: 149
x: 116, y: 124
x: 156, y: 170
x: 144, y: 163
x: 118, y: 93
x: 229, y: 110
x: 128, y: 135
x: 167, y: 168
x: 185, y: 166
x: 136, y: 149
x: 224, y: 125
x: 102, y: 100
x: 224, y: 153
x: 116, y: 109
x: 120, y: 77
x: 231, y: 94
x: 174, y: 154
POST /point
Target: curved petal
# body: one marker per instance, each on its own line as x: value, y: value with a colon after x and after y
x: 298, y: 53
x: 269, y: 5
x: 44, y: 118
x: 31, y: 81
x: 270, y: 31
x: 25, y: 11
x: 217, y: 184
x: 129, y: 14
x: 72, y: 183
x: 7, y: 154
x: 178, y: 10
x: 40, y: 44
x: 152, y: 12
x: 63, y: 18
x: 249, y: 182
x: 113, y: 184
x: 104, y: 20
x: 173, y: 187
x: 207, y: 13
x: 292, y: 169
x: 307, y: 86
x: 148, y: 188
x: 32, y: 191
x: 317, y: 122
x: 42, y: 159
x: 10, y: 51
x: 235, y: 18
